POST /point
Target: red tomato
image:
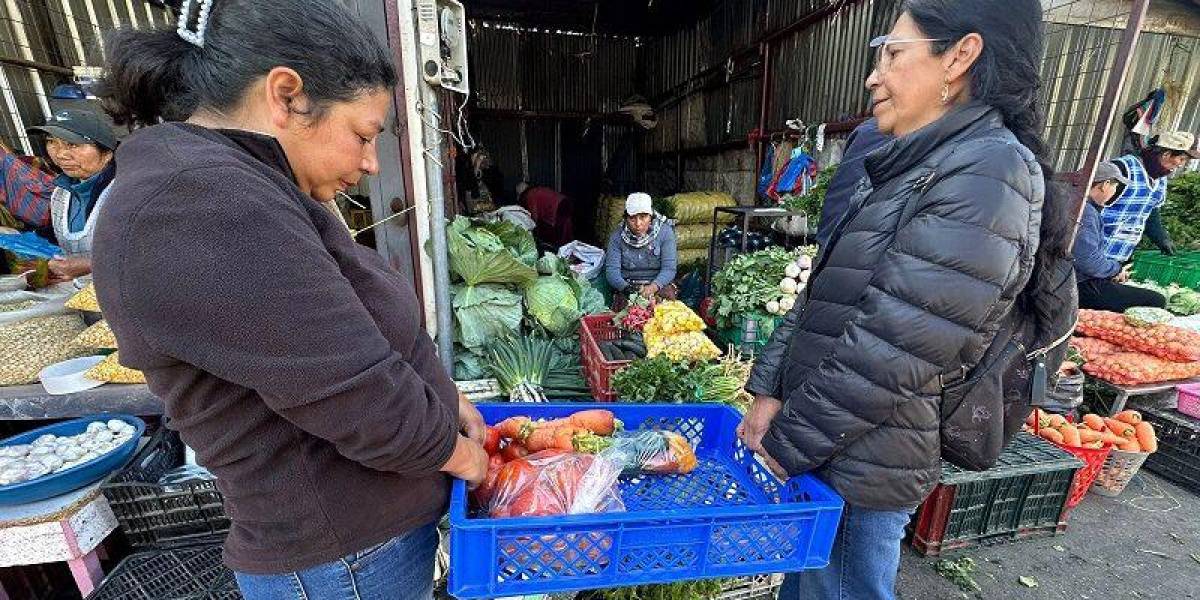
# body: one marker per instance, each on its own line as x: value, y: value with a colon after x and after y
x: 491, y: 444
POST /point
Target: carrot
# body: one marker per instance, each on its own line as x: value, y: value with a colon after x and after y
x: 513, y: 427
x: 540, y: 439
x: 1094, y: 422
x: 1057, y: 421
x: 1130, y: 446
x: 1146, y: 437
x: 1052, y: 435
x: 1109, y: 437
x: 564, y: 438
x: 1087, y: 435
x: 1131, y: 417
x: 598, y: 421
x: 1096, y: 445
x: 1120, y: 428
x: 1070, y: 435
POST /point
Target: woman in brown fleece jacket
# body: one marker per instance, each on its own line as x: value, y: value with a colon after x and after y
x: 292, y: 359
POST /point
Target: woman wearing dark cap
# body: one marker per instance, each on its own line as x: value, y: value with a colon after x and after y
x: 81, y: 144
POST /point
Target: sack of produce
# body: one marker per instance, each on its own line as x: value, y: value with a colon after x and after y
x: 697, y: 207
x: 483, y: 313
x: 693, y: 237
x: 554, y: 482
x: 112, y: 371
x: 1164, y: 341
x: 36, y: 331
x: 491, y: 252
x: 99, y: 335
x: 654, y: 452
x: 85, y: 300
x: 1090, y: 348
x: 1136, y: 368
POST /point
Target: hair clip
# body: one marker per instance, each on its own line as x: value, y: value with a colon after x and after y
x: 196, y: 37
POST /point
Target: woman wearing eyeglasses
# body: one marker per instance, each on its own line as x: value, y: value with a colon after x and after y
x: 956, y: 234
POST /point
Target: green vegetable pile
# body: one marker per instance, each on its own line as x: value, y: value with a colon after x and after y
x: 748, y: 282
x: 812, y: 203
x: 503, y: 290
x: 532, y: 369
x: 1180, y: 210
x: 661, y: 379
x: 1180, y: 300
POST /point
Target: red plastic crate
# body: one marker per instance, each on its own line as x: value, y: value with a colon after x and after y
x: 1093, y: 463
x: 1189, y: 400
x: 598, y: 370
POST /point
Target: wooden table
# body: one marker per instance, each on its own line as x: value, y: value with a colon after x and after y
x: 67, y: 528
x: 31, y: 402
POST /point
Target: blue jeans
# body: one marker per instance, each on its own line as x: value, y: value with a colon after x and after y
x: 864, y: 561
x: 401, y: 567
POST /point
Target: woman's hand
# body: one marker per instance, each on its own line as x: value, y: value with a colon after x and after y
x: 756, y: 422
x: 66, y: 269
x: 649, y: 290
x: 471, y: 421
x: 468, y: 463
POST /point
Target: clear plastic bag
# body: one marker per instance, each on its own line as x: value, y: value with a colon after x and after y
x: 554, y: 483
x: 656, y: 452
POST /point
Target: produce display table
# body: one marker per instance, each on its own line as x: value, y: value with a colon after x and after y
x: 32, y: 402
x: 1125, y: 392
x: 67, y: 528
x: 742, y: 215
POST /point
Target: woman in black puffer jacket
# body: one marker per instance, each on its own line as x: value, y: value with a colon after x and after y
x: 954, y: 222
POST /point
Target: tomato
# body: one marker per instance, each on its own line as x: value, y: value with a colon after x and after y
x: 491, y: 444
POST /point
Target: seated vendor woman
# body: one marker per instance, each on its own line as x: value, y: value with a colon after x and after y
x: 641, y: 254
x: 81, y: 144
x: 1101, y: 278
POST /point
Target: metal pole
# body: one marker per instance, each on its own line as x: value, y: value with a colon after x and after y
x: 434, y: 154
x: 1108, y: 108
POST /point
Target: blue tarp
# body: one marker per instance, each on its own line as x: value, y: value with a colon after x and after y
x: 29, y: 244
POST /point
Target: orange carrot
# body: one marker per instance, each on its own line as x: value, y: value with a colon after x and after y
x: 1146, y: 437
x: 1131, y: 417
x: 540, y: 439
x: 1096, y: 445
x: 1052, y: 435
x: 1094, y: 422
x: 1130, y: 446
x: 1057, y: 421
x: 1087, y: 435
x: 1120, y: 428
x: 1109, y: 437
x: 1070, y: 435
x: 598, y: 421
x: 512, y: 427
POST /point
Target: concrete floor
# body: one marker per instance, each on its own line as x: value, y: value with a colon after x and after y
x: 1142, y: 544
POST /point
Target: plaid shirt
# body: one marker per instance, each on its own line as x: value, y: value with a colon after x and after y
x: 1125, y: 219
x: 25, y: 191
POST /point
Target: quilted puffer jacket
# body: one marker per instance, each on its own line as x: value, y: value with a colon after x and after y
x: 938, y: 242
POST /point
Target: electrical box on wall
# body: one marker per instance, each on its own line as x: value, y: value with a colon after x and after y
x: 442, y: 32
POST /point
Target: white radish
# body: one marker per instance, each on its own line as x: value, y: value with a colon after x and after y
x: 789, y: 285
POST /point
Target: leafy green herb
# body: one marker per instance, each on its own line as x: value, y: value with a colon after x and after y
x: 959, y: 572
x: 748, y: 282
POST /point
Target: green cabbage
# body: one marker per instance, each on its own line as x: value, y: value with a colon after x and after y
x: 483, y: 313
x: 552, y: 303
x: 491, y: 252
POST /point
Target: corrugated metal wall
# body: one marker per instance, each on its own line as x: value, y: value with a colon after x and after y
x: 55, y: 33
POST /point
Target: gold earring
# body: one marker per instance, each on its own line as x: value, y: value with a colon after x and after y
x: 945, y: 93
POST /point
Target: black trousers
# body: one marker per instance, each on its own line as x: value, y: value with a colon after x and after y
x: 1105, y: 294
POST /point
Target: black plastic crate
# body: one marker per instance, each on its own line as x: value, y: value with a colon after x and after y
x: 181, y: 574
x: 1024, y: 495
x: 1178, y: 456
x: 156, y: 516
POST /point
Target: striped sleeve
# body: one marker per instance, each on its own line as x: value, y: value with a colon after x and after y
x: 25, y: 191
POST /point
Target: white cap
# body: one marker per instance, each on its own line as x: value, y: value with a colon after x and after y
x: 639, y: 204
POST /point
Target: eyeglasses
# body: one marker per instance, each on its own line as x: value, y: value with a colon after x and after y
x: 883, y: 60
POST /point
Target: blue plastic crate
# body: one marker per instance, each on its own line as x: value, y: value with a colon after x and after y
x: 728, y: 518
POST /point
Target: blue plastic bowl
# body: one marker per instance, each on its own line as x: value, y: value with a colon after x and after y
x: 69, y: 480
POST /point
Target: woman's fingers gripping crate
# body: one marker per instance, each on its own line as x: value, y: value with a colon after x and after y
x: 598, y: 370
x: 1178, y: 456
x: 727, y: 518
x: 193, y: 573
x: 153, y: 515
